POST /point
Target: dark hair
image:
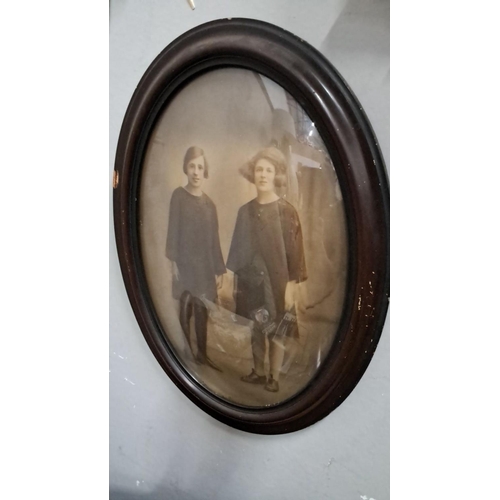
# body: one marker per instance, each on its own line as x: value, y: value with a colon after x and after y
x: 272, y: 155
x: 192, y: 153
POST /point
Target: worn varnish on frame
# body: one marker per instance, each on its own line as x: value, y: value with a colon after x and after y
x: 251, y: 217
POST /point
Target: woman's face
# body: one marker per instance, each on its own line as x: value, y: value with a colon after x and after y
x: 196, y: 172
x: 264, y: 175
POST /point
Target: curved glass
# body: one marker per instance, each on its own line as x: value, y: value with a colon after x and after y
x: 243, y: 237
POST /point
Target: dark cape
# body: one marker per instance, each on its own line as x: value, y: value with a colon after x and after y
x: 193, y: 244
x: 266, y: 253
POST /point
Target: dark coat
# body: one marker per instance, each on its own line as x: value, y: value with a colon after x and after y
x: 193, y: 244
x: 266, y: 249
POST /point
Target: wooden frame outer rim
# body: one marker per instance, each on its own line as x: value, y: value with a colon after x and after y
x: 209, y: 45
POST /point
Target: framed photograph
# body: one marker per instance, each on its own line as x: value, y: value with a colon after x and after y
x: 251, y: 214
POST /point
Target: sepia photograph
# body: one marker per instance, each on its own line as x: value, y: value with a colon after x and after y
x: 243, y: 237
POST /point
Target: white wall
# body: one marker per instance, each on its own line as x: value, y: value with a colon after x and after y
x: 161, y: 445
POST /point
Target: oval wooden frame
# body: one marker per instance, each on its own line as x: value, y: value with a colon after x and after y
x: 351, y: 143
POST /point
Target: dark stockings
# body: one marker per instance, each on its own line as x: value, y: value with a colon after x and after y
x: 276, y: 354
x: 200, y: 326
x: 192, y: 305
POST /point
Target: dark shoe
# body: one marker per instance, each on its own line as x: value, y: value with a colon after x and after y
x: 272, y: 385
x: 253, y: 378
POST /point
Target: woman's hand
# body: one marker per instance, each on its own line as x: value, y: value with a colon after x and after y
x: 175, y: 271
x: 290, y: 295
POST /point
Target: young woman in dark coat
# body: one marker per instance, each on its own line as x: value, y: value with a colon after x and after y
x: 267, y: 258
x: 193, y: 247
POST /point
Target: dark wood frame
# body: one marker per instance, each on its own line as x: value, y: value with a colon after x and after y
x: 351, y: 143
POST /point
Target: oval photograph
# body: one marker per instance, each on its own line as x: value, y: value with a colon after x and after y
x: 243, y: 237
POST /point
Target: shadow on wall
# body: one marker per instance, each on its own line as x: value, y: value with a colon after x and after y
x: 363, y: 29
